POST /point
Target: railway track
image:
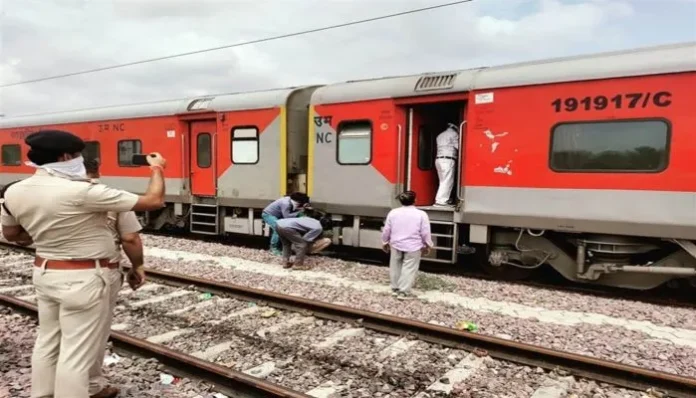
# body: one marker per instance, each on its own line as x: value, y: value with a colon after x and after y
x: 545, y: 278
x: 351, y: 330
x: 226, y: 380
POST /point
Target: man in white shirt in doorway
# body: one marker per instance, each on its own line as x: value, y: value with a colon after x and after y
x: 445, y: 163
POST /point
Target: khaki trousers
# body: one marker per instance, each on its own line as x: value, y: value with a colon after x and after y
x: 97, y: 381
x: 71, y: 304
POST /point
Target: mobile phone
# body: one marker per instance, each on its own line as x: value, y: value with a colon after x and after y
x: 140, y: 160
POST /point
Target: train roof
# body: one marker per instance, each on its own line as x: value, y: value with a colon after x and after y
x: 671, y: 58
x: 220, y: 102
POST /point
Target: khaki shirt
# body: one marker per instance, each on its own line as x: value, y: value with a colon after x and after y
x: 65, y: 218
x: 121, y: 224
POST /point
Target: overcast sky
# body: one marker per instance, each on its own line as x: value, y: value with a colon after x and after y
x: 46, y: 37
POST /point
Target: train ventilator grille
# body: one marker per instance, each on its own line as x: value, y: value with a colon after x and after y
x: 436, y: 82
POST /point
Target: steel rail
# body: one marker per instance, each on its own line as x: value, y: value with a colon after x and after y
x: 232, y: 382
x: 592, y: 368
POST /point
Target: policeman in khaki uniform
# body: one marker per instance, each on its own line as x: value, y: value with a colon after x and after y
x: 65, y: 216
x: 124, y: 228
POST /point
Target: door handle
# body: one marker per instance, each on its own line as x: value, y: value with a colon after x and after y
x: 398, y: 158
x: 460, y: 155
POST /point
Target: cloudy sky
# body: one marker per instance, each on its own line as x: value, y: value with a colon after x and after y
x: 41, y: 38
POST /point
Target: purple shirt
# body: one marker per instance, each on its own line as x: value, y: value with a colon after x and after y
x: 407, y: 229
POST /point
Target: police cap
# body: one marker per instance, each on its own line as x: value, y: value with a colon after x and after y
x: 55, y: 141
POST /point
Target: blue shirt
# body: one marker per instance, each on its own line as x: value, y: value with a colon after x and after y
x: 282, y: 208
x: 309, y: 227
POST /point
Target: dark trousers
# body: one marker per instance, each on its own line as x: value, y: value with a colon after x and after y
x: 292, y: 239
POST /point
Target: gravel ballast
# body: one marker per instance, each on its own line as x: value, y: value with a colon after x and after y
x: 492, y: 290
x: 603, y: 341
x: 135, y: 377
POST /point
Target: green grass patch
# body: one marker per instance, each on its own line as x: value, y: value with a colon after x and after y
x: 432, y: 282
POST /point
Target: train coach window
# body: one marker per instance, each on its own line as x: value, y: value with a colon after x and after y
x: 92, y: 151
x: 11, y: 155
x: 426, y: 148
x: 245, y: 145
x: 126, y: 150
x: 354, y: 144
x: 615, y: 146
x: 203, y: 150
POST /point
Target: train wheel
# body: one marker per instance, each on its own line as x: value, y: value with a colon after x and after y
x: 502, y: 272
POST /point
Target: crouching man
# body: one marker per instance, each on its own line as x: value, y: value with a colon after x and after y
x: 285, y: 207
x: 301, y: 234
x: 124, y: 228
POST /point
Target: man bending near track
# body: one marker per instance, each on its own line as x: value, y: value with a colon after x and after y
x: 301, y: 234
x: 285, y: 207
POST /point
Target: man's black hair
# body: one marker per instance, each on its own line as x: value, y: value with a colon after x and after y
x: 407, y: 198
x: 91, y: 166
x: 299, y: 197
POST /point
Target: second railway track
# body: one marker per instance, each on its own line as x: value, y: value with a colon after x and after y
x: 322, y: 348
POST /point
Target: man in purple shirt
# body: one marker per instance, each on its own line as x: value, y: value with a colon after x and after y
x: 407, y: 232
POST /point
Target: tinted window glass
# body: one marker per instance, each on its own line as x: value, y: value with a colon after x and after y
x: 354, y: 144
x: 126, y: 150
x: 11, y: 155
x: 426, y: 148
x: 613, y: 146
x: 203, y: 150
x: 91, y: 151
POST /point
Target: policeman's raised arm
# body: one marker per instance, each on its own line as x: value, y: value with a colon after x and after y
x: 153, y: 199
x: 99, y: 197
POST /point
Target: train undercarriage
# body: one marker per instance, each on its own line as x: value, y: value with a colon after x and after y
x: 508, y: 253
x: 610, y: 260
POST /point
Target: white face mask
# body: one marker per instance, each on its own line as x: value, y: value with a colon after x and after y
x: 73, y: 168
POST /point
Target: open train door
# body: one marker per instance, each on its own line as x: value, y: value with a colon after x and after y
x: 425, y: 121
x: 203, y: 174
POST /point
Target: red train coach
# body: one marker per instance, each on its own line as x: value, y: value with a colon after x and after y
x: 581, y: 163
x: 227, y: 155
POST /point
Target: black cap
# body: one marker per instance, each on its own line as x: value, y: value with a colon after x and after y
x: 55, y: 141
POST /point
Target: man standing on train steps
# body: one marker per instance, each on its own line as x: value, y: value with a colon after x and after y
x: 125, y: 228
x: 445, y: 163
x: 65, y: 214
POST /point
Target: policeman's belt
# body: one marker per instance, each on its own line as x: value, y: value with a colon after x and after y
x: 73, y: 264
x: 445, y: 157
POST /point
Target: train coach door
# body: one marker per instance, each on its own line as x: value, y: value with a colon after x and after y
x: 425, y: 121
x: 203, y: 163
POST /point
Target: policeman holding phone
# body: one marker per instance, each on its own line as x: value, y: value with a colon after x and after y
x: 64, y: 213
